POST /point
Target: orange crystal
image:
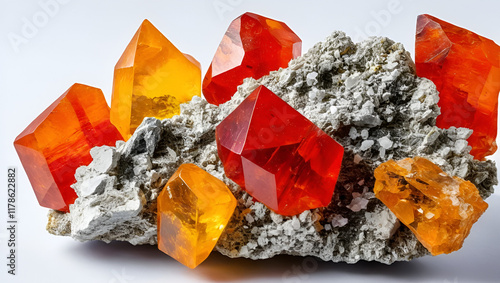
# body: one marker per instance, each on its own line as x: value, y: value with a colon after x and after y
x: 439, y: 209
x: 466, y: 70
x: 194, y: 207
x: 252, y: 46
x: 152, y: 78
x: 59, y: 141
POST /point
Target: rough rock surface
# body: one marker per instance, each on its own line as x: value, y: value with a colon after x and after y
x: 365, y: 95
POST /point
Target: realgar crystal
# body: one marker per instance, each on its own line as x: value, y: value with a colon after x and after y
x: 277, y: 155
x: 252, y: 47
x: 466, y: 70
x: 439, y: 209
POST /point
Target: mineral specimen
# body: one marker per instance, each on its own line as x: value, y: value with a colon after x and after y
x: 365, y: 95
x: 466, y: 70
x: 252, y: 47
x: 439, y: 209
x: 193, y: 210
x: 277, y: 155
x: 151, y: 79
x: 58, y: 141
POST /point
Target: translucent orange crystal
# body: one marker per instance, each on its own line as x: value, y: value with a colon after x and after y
x: 193, y: 209
x: 439, y: 209
x: 152, y: 78
x: 466, y: 70
x: 59, y: 141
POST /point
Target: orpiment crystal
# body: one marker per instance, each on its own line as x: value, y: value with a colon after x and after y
x: 151, y: 79
x: 439, y: 209
x: 193, y: 210
x: 59, y: 141
x: 466, y: 70
x: 277, y: 155
x: 252, y: 47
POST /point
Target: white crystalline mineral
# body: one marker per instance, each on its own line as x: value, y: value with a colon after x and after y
x: 385, y: 142
x: 365, y: 95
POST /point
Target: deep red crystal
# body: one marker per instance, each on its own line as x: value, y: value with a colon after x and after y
x: 277, y: 155
x: 252, y: 47
x: 466, y: 70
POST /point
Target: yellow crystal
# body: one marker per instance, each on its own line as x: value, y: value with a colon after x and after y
x: 152, y: 78
x: 194, y: 207
x: 439, y: 209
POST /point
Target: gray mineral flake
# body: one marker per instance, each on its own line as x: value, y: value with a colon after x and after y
x: 385, y: 142
x: 357, y: 93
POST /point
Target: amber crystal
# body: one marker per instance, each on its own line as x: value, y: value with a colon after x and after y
x: 194, y: 207
x: 466, y: 70
x: 439, y: 209
x: 277, y: 155
x: 252, y: 47
x: 59, y: 141
x: 152, y: 78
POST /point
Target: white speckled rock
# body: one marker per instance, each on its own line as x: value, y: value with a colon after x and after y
x: 364, y: 95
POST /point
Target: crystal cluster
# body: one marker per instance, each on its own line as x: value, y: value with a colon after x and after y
x: 152, y: 78
x: 466, y: 70
x: 278, y: 146
x: 375, y: 116
x: 59, y: 141
x: 252, y: 47
x: 193, y: 210
x: 438, y: 208
x: 276, y: 154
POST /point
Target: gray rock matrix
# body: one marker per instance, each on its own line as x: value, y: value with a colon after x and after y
x: 365, y: 95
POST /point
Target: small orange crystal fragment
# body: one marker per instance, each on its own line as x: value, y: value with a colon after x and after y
x: 59, y: 141
x: 439, y: 209
x: 152, y: 78
x: 466, y: 70
x: 193, y: 210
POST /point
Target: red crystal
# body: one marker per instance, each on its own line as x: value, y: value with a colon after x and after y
x: 253, y: 46
x: 466, y: 70
x: 277, y: 155
x: 59, y: 141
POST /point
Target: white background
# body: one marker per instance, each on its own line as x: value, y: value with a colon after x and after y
x: 80, y: 41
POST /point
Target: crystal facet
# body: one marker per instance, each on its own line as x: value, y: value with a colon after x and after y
x: 59, y: 141
x: 152, y: 78
x: 193, y: 210
x: 466, y: 70
x: 252, y: 47
x: 439, y: 209
x: 277, y: 155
